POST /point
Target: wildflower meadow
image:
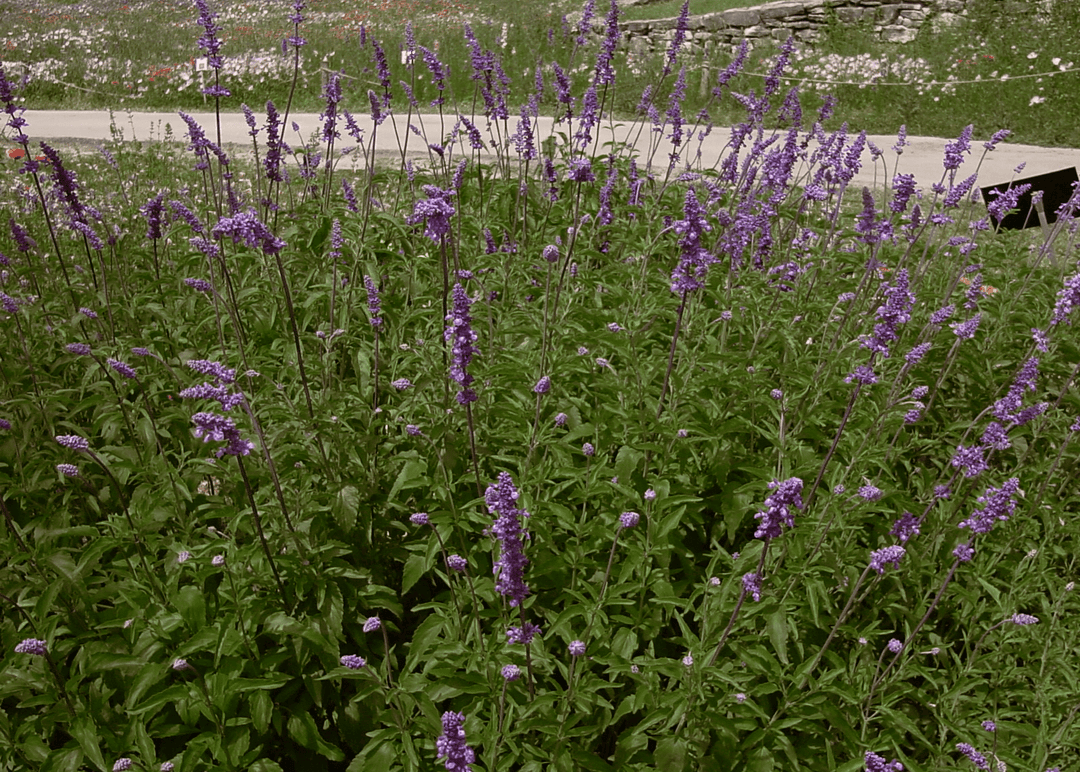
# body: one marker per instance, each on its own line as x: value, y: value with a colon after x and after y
x: 522, y: 452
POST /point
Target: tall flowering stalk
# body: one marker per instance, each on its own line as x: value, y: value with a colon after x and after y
x: 460, y: 337
x: 211, y: 44
x: 689, y: 274
x: 501, y: 498
x: 996, y: 504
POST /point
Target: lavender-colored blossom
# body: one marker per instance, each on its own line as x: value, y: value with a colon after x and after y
x: 522, y: 635
x: 353, y: 661
x: 875, y: 763
x: 954, y: 151
x: 870, y: 493
x: 79, y: 349
x: 180, y: 665
x: 970, y: 460
x: 211, y: 426
x: 906, y: 527
x: 1068, y: 297
x: 895, y: 645
x: 989, y: 726
x: 588, y: 449
x: 413, y: 430
x: 942, y: 314
x: 125, y: 370
x: 996, y: 436
x: 74, y: 442
x: 863, y: 374
x: 217, y: 561
x: 895, y: 311
x: 419, y: 518
x: 996, y: 504
x: 223, y: 375
x: 247, y: 228
x: 373, y: 301
x: 510, y: 672
x: 966, y: 330
x: 401, y: 384
x: 973, y: 755
x: 122, y: 764
x: 509, y: 569
x: 751, y: 583
x: 371, y: 624
x: 543, y: 386
x: 787, y: 495
x: 880, y: 558
x: 576, y: 648
x: 457, y: 563
x: 580, y: 170
x: 561, y: 419
x: 1024, y: 619
x: 34, y: 646
x: 68, y: 470
x: 963, y: 553
x: 435, y: 212
x: 199, y: 285
x: 629, y: 519
x: 916, y: 354
x: 694, y: 258
x: 183, y: 556
x: 452, y: 750
x: 460, y: 334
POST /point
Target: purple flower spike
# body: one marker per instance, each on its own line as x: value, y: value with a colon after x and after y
x: 199, y: 285
x: 372, y: 624
x: 523, y: 634
x: 997, y: 504
x: 122, y: 764
x: 74, y: 442
x: 435, y: 212
x: 419, y: 518
x: 457, y: 563
x: 751, y: 583
x: 875, y: 763
x: 454, y: 753
x: 353, y: 661
x: 374, y: 301
x: 576, y: 648
x: 124, y: 369
x: 543, y: 386
x: 973, y: 755
x: 78, y: 349
x: 511, y: 673
x: 211, y: 426
x: 459, y: 332
x: 68, y: 470
x: 778, y: 505
x: 880, y: 558
x: 629, y: 519
x: 870, y: 493
x: 501, y: 498
x: 906, y: 527
x: 1024, y: 619
x: 33, y: 646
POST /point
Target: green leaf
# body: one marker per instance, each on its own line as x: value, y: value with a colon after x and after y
x: 378, y: 761
x: 409, y: 477
x: 777, y: 627
x: 85, y: 733
x: 670, y: 754
x: 189, y: 602
x: 411, y: 573
x: 262, y: 708
x: 63, y: 760
x: 345, y: 507
x: 302, y: 729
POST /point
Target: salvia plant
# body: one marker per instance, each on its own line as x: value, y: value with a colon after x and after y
x: 524, y: 454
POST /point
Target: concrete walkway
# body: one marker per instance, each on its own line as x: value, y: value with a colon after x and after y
x: 922, y: 157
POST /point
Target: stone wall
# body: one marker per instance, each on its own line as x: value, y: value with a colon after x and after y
x: 890, y: 20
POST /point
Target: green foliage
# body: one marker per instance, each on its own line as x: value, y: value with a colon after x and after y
x: 290, y: 608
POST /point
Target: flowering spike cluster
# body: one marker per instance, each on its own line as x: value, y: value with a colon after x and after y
x: 524, y: 634
x: 227, y: 399
x: 509, y: 569
x: 460, y: 335
x: 882, y: 557
x: 456, y: 756
x: 247, y: 228
x: 694, y: 260
x: 778, y: 505
x: 211, y: 426
x: 875, y: 763
x: 751, y: 583
x: 221, y: 374
x: 996, y: 504
x: 373, y: 301
x: 576, y: 648
x: 906, y: 527
x: 893, y: 312
x: 973, y: 755
x: 74, y: 441
x: 32, y: 646
x: 435, y: 212
x: 353, y: 661
x: 124, y: 369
